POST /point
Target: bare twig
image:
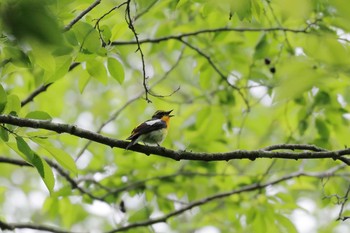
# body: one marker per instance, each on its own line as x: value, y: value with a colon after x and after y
x: 345, y: 200
x: 129, y: 21
x: 97, y: 24
x: 205, y: 31
x: 146, y: 10
x: 43, y: 88
x: 35, y: 93
x: 81, y: 15
x: 13, y: 226
x: 14, y: 162
x: 222, y: 76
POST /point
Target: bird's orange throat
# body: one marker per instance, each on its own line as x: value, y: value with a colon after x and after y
x: 166, y: 119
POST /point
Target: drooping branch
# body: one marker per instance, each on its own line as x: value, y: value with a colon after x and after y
x: 217, y: 70
x: 130, y: 23
x: 176, y: 155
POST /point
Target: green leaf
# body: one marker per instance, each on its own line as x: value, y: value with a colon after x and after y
x: 24, y: 148
x: 262, y: 47
x: 42, y: 57
x: 40, y: 115
x: 106, y: 33
x: 4, y: 135
x: 45, y: 172
x: 322, y: 98
x: 242, y: 8
x: 64, y: 159
x: 322, y: 129
x: 3, y: 98
x: 286, y: 223
x: 140, y: 215
x: 296, y: 76
x: 97, y: 70
x: 31, y: 20
x: 62, y: 66
x: 13, y: 104
x: 302, y: 126
x: 41, y: 165
x: 84, y: 79
x: 116, y: 69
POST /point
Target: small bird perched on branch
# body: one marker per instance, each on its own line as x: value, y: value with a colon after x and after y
x: 152, y: 131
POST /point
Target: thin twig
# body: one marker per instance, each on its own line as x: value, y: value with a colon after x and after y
x: 139, y: 15
x: 345, y: 200
x: 222, y: 76
x: 97, y: 24
x: 205, y: 31
x: 132, y: 28
x: 43, y: 88
x: 81, y: 15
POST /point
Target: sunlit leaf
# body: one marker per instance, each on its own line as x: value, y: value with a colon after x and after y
x: 3, y: 98
x: 97, y: 70
x: 4, y: 135
x: 64, y: 159
x: 13, y: 104
x: 24, y: 148
x: 40, y: 115
x: 116, y: 69
x: 45, y: 171
x: 322, y: 129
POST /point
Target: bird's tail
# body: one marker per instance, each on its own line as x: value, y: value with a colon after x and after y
x: 133, y: 142
x: 134, y: 139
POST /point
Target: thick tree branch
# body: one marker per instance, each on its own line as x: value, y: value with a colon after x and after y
x: 176, y: 155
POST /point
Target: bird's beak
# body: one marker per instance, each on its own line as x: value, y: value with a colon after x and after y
x: 168, y: 113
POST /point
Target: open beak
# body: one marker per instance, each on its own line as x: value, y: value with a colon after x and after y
x: 168, y: 113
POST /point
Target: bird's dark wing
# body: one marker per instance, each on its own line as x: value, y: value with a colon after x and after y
x: 146, y: 127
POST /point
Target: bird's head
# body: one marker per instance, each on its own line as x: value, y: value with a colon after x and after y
x: 160, y: 114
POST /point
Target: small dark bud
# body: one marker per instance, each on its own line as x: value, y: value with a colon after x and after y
x: 267, y: 61
x: 273, y: 70
x: 122, y: 207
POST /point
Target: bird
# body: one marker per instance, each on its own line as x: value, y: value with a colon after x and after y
x: 152, y: 131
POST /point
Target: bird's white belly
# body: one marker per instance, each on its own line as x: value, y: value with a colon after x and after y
x: 154, y: 137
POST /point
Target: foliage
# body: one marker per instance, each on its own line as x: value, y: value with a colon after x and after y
x: 240, y: 75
